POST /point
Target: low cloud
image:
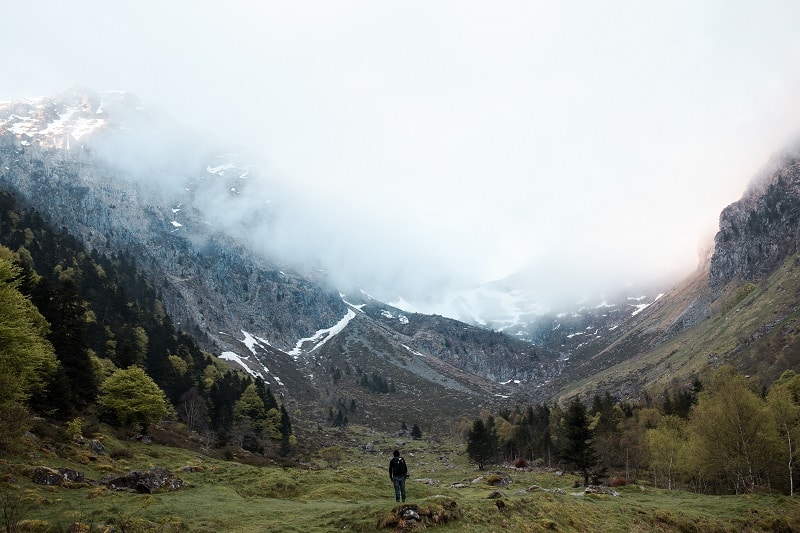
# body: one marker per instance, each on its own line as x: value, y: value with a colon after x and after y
x: 412, y: 147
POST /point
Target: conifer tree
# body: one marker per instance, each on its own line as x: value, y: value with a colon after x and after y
x: 482, y: 442
x: 286, y: 431
x: 578, y: 447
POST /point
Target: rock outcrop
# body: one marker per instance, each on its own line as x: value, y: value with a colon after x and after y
x: 156, y: 479
x: 760, y: 230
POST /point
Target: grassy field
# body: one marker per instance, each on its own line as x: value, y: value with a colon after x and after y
x: 443, y: 489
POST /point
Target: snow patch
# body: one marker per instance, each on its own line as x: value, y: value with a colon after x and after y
x: 220, y: 169
x: 322, y: 336
x: 233, y: 356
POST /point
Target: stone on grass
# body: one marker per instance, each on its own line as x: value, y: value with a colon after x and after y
x: 156, y: 479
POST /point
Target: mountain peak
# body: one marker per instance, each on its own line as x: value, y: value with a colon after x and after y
x: 66, y: 120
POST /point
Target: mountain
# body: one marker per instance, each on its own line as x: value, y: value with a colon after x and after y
x: 740, y: 307
x: 199, y: 222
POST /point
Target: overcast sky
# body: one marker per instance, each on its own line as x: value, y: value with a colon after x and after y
x: 458, y: 140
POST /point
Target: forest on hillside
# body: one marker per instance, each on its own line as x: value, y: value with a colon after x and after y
x: 721, y: 436
x: 84, y: 336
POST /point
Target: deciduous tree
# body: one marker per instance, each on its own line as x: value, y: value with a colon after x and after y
x: 786, y: 416
x: 730, y: 432
x: 27, y: 359
x: 133, y: 398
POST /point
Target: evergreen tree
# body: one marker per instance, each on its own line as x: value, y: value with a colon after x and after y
x: 67, y: 314
x: 286, y: 431
x: 578, y: 447
x: 266, y: 395
x: 482, y: 442
x: 416, y: 433
x: 223, y: 394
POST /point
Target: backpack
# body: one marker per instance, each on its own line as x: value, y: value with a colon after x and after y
x: 399, y: 468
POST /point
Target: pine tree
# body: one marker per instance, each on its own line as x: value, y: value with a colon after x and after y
x: 578, y: 449
x: 482, y: 442
x: 286, y: 431
x: 66, y: 313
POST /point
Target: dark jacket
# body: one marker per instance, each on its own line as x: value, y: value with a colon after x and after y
x: 397, y: 468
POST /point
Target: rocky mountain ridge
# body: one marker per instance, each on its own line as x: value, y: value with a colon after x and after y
x: 182, y: 222
x: 740, y: 306
x: 198, y: 225
x: 761, y: 229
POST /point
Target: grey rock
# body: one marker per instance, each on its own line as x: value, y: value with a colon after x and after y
x: 156, y: 479
x: 96, y: 447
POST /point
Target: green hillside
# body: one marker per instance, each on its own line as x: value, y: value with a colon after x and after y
x: 750, y: 325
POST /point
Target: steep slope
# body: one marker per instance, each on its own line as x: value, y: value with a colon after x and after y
x: 740, y: 308
x: 763, y: 228
x: 100, y: 167
x: 165, y: 220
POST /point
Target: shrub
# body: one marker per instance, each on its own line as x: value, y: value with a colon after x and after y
x: 73, y: 429
x: 120, y: 453
x: 332, y: 455
x: 617, y: 482
x: 33, y: 526
x: 520, y: 462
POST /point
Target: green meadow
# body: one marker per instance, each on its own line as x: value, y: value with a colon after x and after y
x: 444, y: 491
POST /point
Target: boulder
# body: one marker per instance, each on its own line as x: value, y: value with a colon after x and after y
x: 72, y: 476
x: 156, y: 479
x: 96, y: 447
x: 46, y: 476
x: 410, y: 514
x: 597, y: 489
x: 43, y: 475
x: 498, y: 479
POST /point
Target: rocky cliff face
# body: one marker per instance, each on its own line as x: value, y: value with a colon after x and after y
x: 64, y: 156
x: 102, y: 168
x: 760, y: 230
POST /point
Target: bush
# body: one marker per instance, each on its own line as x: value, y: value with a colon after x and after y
x: 14, y: 422
x: 520, y: 462
x: 332, y: 455
x: 617, y: 482
x: 120, y: 453
x: 73, y: 429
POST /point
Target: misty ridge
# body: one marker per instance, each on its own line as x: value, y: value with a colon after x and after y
x: 204, y: 184
x: 233, y: 189
x: 211, y: 185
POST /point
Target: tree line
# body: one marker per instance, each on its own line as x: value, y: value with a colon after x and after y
x: 85, y: 334
x: 726, y: 435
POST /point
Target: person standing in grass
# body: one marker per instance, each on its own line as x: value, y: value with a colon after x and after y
x: 398, y: 472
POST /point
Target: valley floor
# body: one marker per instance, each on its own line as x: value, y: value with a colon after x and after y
x: 444, y: 491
